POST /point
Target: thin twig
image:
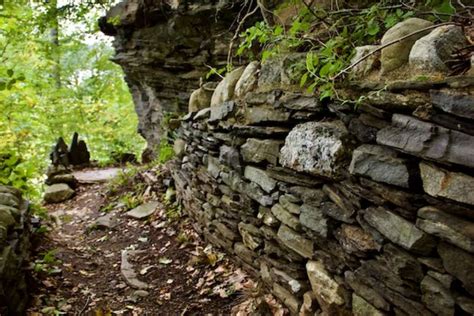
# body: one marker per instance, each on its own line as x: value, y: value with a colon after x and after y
x: 237, y: 32
x: 361, y: 10
x: 389, y: 44
x: 214, y: 70
x: 4, y: 49
x: 266, y: 14
x: 310, y: 9
x: 85, y: 306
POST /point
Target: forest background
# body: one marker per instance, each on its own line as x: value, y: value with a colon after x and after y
x: 56, y: 78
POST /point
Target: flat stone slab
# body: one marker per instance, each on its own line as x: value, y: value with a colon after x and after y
x: 453, y: 229
x: 129, y: 274
x: 398, y: 230
x: 143, y: 211
x: 96, y: 176
x: 380, y: 164
x: 106, y: 221
x: 439, y: 182
x: 57, y: 193
x: 427, y: 140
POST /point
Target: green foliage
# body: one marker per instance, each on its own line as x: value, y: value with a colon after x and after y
x: 173, y: 211
x: 14, y: 171
x: 124, y: 178
x: 166, y: 152
x: 90, y: 98
x: 131, y: 200
x: 47, y: 263
x: 444, y: 8
x: 328, y: 38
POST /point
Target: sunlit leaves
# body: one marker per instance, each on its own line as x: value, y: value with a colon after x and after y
x: 93, y: 99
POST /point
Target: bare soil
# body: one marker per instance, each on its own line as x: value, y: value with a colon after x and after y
x: 77, y: 265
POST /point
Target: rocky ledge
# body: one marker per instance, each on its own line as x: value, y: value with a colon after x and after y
x: 164, y: 48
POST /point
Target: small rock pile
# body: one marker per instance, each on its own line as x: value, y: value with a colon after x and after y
x: 14, y: 251
x: 364, y: 211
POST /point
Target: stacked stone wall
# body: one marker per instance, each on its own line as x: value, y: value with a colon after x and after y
x: 14, y: 251
x: 364, y: 210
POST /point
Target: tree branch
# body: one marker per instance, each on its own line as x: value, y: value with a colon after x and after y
x: 237, y: 32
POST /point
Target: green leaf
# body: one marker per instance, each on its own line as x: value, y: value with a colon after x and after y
x: 324, y: 71
x: 445, y: 7
x: 326, y: 91
x: 10, y: 72
x: 373, y: 28
x: 390, y: 21
x: 309, y: 62
x: 266, y: 54
x: 326, y: 94
x: 312, y: 87
x: 278, y: 30
x: 303, y: 79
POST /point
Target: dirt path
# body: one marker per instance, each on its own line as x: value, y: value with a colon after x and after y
x: 80, y: 265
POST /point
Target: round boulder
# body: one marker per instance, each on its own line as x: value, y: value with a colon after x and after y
x: 396, y: 55
x: 430, y: 52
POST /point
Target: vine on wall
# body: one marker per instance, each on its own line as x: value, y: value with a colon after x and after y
x: 329, y: 37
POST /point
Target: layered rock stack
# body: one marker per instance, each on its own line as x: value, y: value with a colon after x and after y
x: 60, y: 180
x: 14, y: 251
x: 365, y: 211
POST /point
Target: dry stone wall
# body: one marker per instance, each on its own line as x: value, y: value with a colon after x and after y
x: 365, y: 211
x: 14, y: 251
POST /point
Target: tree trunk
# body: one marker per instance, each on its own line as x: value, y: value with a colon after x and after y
x: 54, y: 37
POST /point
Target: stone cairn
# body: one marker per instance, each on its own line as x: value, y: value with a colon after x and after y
x: 60, y: 180
x: 365, y: 211
x: 14, y: 251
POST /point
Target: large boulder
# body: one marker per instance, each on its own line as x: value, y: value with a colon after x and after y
x: 319, y: 148
x: 430, y: 52
x: 396, y: 55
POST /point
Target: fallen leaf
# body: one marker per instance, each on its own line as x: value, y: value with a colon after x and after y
x: 164, y: 260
